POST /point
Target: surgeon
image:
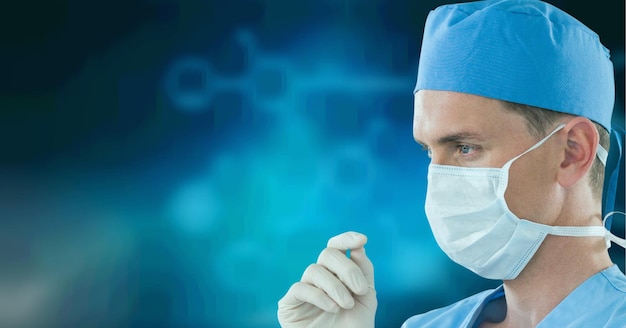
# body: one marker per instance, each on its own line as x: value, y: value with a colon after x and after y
x: 513, y: 104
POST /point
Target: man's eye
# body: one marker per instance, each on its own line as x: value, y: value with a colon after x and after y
x: 465, y: 149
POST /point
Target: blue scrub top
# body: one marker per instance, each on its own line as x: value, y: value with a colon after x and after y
x: 600, y: 301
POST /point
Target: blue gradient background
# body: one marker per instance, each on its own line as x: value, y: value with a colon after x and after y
x: 180, y: 163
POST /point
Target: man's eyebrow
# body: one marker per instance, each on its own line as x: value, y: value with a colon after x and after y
x: 458, y: 137
x: 454, y: 138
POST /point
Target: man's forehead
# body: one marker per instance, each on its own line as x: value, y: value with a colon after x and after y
x: 444, y: 116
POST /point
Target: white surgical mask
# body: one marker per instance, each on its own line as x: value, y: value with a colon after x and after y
x: 474, y: 226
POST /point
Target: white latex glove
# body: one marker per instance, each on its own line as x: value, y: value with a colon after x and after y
x: 334, y: 292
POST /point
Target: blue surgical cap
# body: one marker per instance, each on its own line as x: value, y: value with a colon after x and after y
x: 522, y: 51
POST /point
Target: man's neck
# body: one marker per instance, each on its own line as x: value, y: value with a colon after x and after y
x: 560, y: 265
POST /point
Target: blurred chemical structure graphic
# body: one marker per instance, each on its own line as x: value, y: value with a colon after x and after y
x: 272, y: 81
x: 187, y: 83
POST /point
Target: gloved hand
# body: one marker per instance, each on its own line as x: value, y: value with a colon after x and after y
x: 337, y: 291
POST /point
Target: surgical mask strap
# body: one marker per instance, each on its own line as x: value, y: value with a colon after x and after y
x: 612, y: 171
x: 504, y: 178
x: 602, y: 154
x: 610, y: 237
x: 535, y: 146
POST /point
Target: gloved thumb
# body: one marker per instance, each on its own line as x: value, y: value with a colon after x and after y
x: 347, y: 240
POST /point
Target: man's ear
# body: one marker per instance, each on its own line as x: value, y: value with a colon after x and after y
x: 580, y: 151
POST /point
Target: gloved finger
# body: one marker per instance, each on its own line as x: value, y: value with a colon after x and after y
x: 301, y: 293
x: 365, y: 264
x: 355, y: 242
x: 320, y: 277
x: 345, y: 269
x: 347, y: 240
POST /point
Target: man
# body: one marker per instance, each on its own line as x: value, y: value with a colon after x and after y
x: 513, y: 103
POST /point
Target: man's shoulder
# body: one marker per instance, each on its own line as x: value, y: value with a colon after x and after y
x: 615, y: 278
x: 600, y: 301
x: 455, y: 315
